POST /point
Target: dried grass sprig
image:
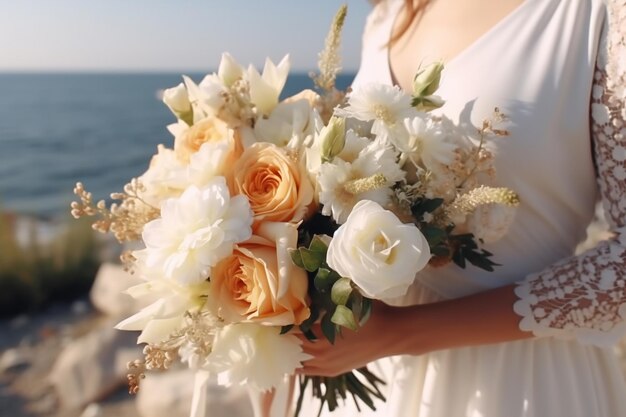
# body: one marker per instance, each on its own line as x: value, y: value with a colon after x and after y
x: 124, y: 220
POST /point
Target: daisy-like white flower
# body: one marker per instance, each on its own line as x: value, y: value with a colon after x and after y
x: 254, y: 355
x: 369, y: 177
x: 427, y: 142
x: 386, y: 105
x: 196, y: 231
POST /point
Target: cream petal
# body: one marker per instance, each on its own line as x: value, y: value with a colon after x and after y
x: 160, y: 330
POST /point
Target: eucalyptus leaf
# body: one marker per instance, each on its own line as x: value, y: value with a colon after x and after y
x: 340, y: 293
x: 318, y: 245
x: 296, y: 257
x: 324, y: 279
x: 344, y: 317
x: 312, y: 260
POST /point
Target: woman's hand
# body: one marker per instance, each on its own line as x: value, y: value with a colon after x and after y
x: 376, y: 339
x: 478, y: 319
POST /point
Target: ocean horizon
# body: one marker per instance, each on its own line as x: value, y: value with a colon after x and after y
x: 101, y: 128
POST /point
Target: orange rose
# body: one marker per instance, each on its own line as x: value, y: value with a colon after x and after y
x: 209, y: 129
x: 259, y: 282
x: 274, y: 182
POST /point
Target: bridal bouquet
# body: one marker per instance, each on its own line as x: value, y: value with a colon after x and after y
x: 267, y: 216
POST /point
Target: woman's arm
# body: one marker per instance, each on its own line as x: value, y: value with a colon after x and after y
x: 478, y: 319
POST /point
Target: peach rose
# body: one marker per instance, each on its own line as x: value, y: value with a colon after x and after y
x: 209, y: 129
x: 274, y: 182
x: 259, y: 282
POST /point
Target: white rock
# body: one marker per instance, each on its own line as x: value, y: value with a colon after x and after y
x: 90, y: 368
x: 92, y: 410
x: 107, y: 291
x: 168, y: 394
x: 13, y: 358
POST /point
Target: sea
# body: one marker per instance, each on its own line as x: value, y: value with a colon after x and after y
x: 100, y: 129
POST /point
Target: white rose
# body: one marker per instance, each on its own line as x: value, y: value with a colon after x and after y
x: 377, y: 251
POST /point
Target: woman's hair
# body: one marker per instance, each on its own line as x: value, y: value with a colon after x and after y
x: 412, y: 9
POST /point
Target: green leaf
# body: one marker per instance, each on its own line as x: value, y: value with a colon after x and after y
x: 440, y: 250
x: 344, y: 317
x: 340, y: 293
x: 296, y: 257
x: 312, y: 260
x: 318, y: 245
x: 425, y: 206
x: 434, y: 235
x: 324, y: 279
x: 328, y: 328
x: 285, y: 329
x: 306, y: 325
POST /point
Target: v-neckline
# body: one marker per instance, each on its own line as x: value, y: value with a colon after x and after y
x: 465, y: 51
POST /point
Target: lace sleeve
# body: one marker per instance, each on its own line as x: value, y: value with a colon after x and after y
x: 585, y: 296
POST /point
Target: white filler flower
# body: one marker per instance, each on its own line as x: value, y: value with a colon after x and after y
x: 196, y: 231
x: 377, y: 251
x: 386, y: 105
x: 255, y: 355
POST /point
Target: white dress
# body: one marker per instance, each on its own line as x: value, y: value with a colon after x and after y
x: 548, y: 66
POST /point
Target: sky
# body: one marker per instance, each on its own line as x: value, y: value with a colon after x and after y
x: 170, y: 35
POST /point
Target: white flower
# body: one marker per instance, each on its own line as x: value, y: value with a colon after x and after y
x: 207, y: 98
x: 333, y: 137
x: 167, y: 314
x: 369, y: 177
x: 426, y: 142
x: 387, y: 105
x: 160, y: 180
x: 289, y: 121
x: 196, y: 231
x: 177, y: 99
x: 254, y: 355
x: 377, y: 251
x: 491, y: 222
x: 353, y: 145
x: 209, y: 162
x: 265, y: 89
x: 229, y: 70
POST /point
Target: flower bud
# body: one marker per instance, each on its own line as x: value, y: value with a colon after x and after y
x: 333, y: 138
x: 229, y: 70
x: 426, y: 81
x: 177, y: 99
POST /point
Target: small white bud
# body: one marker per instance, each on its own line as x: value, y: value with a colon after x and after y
x: 426, y: 81
x: 177, y: 99
x: 333, y: 138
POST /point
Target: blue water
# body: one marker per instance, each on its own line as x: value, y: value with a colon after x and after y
x: 101, y: 129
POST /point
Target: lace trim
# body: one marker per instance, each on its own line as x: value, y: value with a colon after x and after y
x: 585, y: 296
